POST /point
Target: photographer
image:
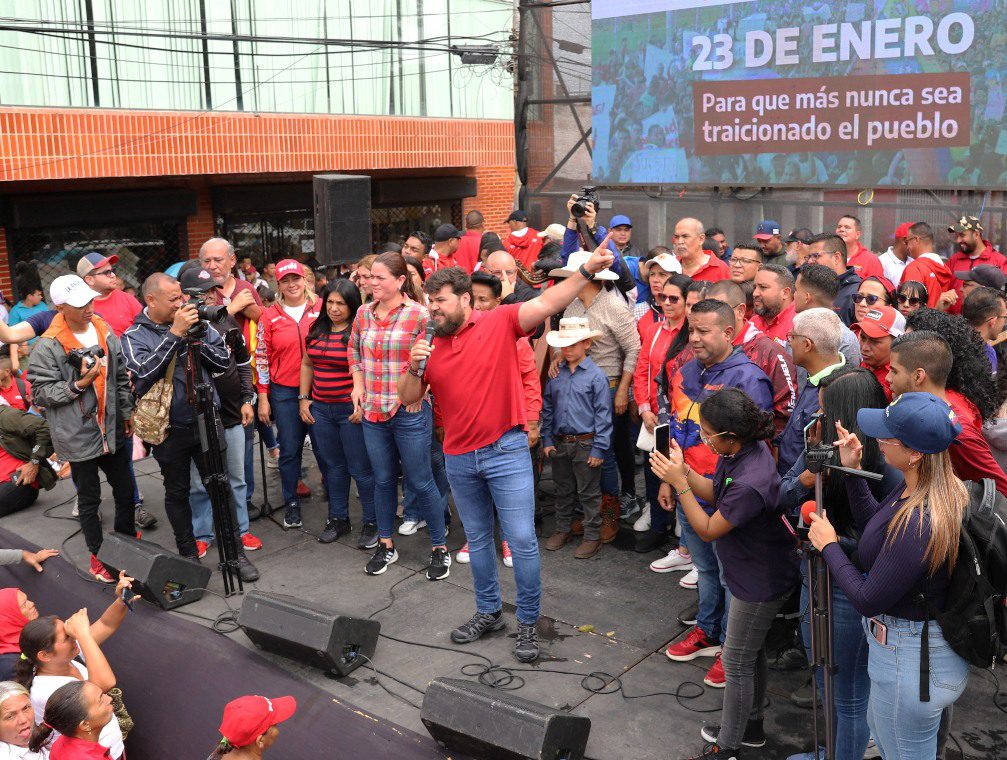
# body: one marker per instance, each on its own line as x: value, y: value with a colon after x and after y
x: 24, y: 446
x: 78, y: 375
x: 159, y: 335
x: 572, y: 238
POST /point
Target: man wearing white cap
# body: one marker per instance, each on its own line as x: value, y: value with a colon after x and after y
x: 78, y: 376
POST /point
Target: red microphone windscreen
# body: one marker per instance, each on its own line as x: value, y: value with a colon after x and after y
x: 806, y: 509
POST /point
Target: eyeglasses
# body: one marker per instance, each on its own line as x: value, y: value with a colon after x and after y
x: 815, y: 257
x: 889, y: 442
x: 662, y: 298
x: 792, y: 335
x: 708, y: 439
x: 861, y: 297
x: 745, y: 260
x: 911, y: 300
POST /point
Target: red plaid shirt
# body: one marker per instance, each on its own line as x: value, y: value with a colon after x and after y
x: 379, y: 348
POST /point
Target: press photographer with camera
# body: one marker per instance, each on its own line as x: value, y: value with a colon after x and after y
x: 78, y: 376
x: 156, y: 348
x: 583, y: 210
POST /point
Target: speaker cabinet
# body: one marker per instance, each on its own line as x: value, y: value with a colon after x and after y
x: 160, y: 576
x: 491, y: 724
x: 342, y: 217
x: 306, y: 632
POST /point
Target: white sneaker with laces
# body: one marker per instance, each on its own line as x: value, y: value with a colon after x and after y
x: 409, y: 527
x: 690, y: 579
x: 642, y: 524
x: 462, y: 555
x: 675, y: 560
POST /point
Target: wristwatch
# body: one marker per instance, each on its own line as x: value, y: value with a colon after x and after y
x: 302, y: 397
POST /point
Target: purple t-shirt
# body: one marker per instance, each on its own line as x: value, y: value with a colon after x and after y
x: 41, y: 320
x: 759, y: 556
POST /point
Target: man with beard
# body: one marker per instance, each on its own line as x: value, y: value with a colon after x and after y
x: 486, y: 450
x: 773, y: 301
x: 971, y: 250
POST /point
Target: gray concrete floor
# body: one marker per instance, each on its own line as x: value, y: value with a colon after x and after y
x: 632, y: 610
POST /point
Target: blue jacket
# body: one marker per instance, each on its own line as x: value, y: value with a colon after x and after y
x: 147, y: 348
x: 792, y: 439
x: 571, y: 243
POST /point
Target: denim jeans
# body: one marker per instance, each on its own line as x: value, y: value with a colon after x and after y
x: 904, y: 727
x: 851, y: 684
x: 712, y: 615
x: 405, y: 439
x: 745, y: 668
x: 660, y: 518
x: 609, y: 466
x: 342, y: 455
x: 499, y: 474
x: 410, y: 508
x: 249, y: 464
x: 291, y: 430
x: 199, y: 499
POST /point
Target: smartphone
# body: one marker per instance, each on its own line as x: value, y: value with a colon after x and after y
x: 878, y: 630
x: 662, y: 439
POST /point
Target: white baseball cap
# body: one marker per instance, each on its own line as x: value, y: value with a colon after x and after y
x: 72, y: 290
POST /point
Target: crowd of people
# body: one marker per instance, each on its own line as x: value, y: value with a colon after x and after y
x: 594, y: 350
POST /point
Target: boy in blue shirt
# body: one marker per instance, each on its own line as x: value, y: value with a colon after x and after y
x: 576, y: 433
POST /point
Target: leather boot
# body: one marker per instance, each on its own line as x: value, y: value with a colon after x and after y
x: 557, y: 540
x: 609, y: 518
x: 577, y: 526
x: 587, y: 549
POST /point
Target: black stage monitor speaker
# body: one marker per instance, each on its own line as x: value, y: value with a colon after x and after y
x: 491, y: 724
x: 161, y: 577
x: 317, y: 636
x: 342, y: 218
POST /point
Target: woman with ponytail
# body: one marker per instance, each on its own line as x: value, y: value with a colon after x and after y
x: 17, y: 723
x: 757, y: 555
x: 249, y: 726
x: 76, y: 715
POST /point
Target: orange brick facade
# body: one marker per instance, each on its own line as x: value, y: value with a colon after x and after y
x: 46, y: 148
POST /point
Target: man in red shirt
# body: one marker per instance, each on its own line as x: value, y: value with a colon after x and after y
x: 239, y: 296
x: 117, y: 308
x: 921, y: 361
x: 523, y: 243
x: 486, y: 450
x: 447, y: 239
x: 860, y: 258
x: 971, y: 250
x: 14, y: 391
x: 470, y: 244
x: 876, y: 331
x: 773, y: 302
x: 929, y: 268
x: 696, y: 262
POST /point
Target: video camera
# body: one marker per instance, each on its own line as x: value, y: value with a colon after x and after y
x: 588, y: 194
x: 76, y: 356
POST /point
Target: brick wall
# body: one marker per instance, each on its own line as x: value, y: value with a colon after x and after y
x: 200, y: 227
x: 5, y: 273
x: 495, y: 196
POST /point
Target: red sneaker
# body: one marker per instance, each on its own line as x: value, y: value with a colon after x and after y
x: 692, y: 646
x: 250, y: 542
x: 201, y: 547
x: 303, y: 492
x: 98, y: 571
x: 715, y: 675
x: 508, y: 559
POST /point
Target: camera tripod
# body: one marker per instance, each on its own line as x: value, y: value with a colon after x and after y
x: 820, y: 598
x: 199, y: 394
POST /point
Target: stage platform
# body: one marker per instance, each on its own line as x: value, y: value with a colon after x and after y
x: 631, y: 613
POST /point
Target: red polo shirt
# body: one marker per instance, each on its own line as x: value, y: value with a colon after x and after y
x: 467, y: 254
x: 713, y: 270
x: 474, y: 375
x: 881, y: 373
x: 779, y: 326
x: 70, y: 748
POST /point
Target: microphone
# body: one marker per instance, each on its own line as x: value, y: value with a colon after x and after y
x: 428, y: 336
x: 807, y: 508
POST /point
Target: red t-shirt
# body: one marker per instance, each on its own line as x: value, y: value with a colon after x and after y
x: 881, y: 373
x: 240, y: 285
x: 971, y: 457
x: 118, y: 309
x: 867, y: 265
x: 779, y: 326
x: 8, y: 464
x: 482, y: 355
x: 13, y: 394
x: 467, y: 254
x: 70, y: 748
x: 713, y: 270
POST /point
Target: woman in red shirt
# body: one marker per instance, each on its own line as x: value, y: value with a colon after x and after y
x: 326, y: 405
x: 78, y: 711
x: 282, y: 330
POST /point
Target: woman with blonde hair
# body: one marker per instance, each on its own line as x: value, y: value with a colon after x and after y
x: 908, y: 547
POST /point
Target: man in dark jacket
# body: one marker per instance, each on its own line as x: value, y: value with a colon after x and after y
x: 829, y: 250
x: 159, y: 335
x: 25, y: 446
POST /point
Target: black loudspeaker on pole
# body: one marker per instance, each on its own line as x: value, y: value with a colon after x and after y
x: 342, y: 217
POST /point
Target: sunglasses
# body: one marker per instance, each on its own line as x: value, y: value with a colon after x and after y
x: 861, y: 297
x: 662, y: 298
x: 904, y: 299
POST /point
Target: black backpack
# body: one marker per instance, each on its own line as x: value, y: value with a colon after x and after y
x: 975, y: 621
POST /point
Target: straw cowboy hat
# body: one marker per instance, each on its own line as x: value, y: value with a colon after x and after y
x: 571, y: 330
x: 578, y: 259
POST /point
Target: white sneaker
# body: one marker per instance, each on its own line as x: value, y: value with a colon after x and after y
x: 273, y: 463
x: 690, y: 579
x: 307, y: 442
x: 675, y: 560
x: 462, y: 555
x: 642, y: 524
x: 872, y: 750
x: 75, y: 512
x: 411, y: 526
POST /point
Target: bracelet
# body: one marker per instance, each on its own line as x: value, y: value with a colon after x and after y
x: 683, y: 491
x: 413, y: 372
x: 584, y: 273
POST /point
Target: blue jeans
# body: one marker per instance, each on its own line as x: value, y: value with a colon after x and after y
x: 609, y: 467
x: 712, y: 615
x: 851, y: 685
x: 904, y: 727
x: 291, y: 430
x: 249, y: 463
x: 342, y: 455
x: 404, y: 438
x: 499, y: 474
x: 410, y: 509
x: 199, y: 499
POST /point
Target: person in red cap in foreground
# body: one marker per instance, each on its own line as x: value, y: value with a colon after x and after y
x: 876, y: 331
x: 249, y: 726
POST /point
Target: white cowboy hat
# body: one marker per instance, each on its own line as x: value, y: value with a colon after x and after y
x: 571, y: 330
x: 576, y: 261
x: 554, y: 231
x: 666, y: 261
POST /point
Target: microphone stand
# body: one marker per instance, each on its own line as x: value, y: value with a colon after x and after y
x: 820, y: 596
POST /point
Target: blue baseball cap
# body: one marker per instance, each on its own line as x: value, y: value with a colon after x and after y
x: 620, y: 220
x: 766, y: 229
x: 920, y: 421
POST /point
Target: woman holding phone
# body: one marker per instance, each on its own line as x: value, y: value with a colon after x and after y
x: 757, y: 554
x: 908, y: 545
x: 326, y: 405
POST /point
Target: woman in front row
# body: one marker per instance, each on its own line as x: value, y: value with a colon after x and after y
x: 757, y: 555
x: 908, y: 544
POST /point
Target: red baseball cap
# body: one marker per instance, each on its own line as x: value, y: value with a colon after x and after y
x: 289, y: 266
x: 247, y: 718
x: 902, y: 231
x: 881, y: 321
